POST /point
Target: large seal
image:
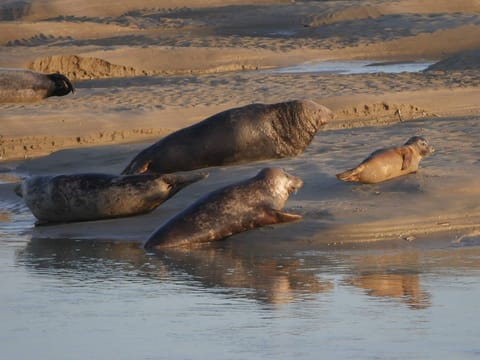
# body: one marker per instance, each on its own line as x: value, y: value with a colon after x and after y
x: 250, y: 133
x: 385, y: 164
x: 235, y: 208
x: 18, y: 85
x: 81, y: 197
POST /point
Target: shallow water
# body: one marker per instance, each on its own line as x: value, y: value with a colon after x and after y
x: 257, y: 295
x: 86, y: 299
x: 353, y: 67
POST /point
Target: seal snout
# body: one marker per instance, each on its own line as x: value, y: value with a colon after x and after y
x: 295, y: 184
x: 325, y: 115
x: 18, y: 190
x: 63, y: 85
x: 177, y: 182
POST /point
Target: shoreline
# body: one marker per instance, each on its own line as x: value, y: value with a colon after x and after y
x: 351, y: 111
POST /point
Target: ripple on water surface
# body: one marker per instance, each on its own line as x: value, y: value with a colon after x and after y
x: 353, y: 67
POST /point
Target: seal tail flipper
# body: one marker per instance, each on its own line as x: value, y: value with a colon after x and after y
x: 350, y: 175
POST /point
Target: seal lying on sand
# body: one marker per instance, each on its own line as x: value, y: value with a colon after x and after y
x: 385, y: 164
x: 250, y: 133
x: 80, y: 197
x: 235, y: 208
x: 18, y: 85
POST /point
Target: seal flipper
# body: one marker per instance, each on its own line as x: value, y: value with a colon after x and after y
x: 285, y: 217
x: 352, y: 174
x: 271, y: 216
x: 407, y: 158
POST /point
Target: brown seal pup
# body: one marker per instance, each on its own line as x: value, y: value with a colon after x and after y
x: 385, y: 164
x: 81, y: 197
x: 18, y: 85
x: 235, y: 208
x: 250, y: 133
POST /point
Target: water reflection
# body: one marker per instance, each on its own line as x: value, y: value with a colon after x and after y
x: 393, y: 276
x: 354, y: 67
x: 239, y: 274
x: 233, y: 269
x: 405, y: 287
x: 274, y: 280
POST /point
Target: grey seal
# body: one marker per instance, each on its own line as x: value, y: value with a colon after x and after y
x: 249, y: 133
x: 93, y: 196
x: 232, y: 209
x: 19, y: 85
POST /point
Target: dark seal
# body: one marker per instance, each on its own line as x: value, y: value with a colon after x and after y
x: 235, y: 208
x: 81, y: 197
x: 18, y: 85
x: 250, y: 133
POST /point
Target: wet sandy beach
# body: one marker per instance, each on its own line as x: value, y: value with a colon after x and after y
x: 387, y: 270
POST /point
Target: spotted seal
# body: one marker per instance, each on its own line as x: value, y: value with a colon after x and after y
x: 232, y: 209
x: 92, y: 196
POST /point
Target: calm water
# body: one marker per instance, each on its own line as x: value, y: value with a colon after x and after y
x: 65, y: 299
x: 353, y: 67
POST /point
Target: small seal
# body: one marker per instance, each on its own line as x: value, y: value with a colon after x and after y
x: 250, y: 133
x: 385, y: 164
x: 18, y: 85
x: 235, y: 208
x: 91, y: 196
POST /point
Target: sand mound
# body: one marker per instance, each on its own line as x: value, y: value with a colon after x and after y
x: 349, y: 14
x: 82, y: 68
x: 376, y: 114
x: 374, y: 11
x: 468, y: 60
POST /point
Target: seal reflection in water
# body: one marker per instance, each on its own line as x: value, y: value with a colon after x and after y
x: 18, y: 85
x: 385, y: 164
x: 81, y: 197
x: 250, y: 133
x: 235, y: 208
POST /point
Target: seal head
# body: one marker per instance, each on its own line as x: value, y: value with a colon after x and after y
x: 61, y: 85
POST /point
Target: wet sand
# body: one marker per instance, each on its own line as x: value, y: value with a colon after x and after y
x: 144, y: 70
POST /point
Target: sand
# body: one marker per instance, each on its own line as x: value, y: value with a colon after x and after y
x: 144, y: 69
